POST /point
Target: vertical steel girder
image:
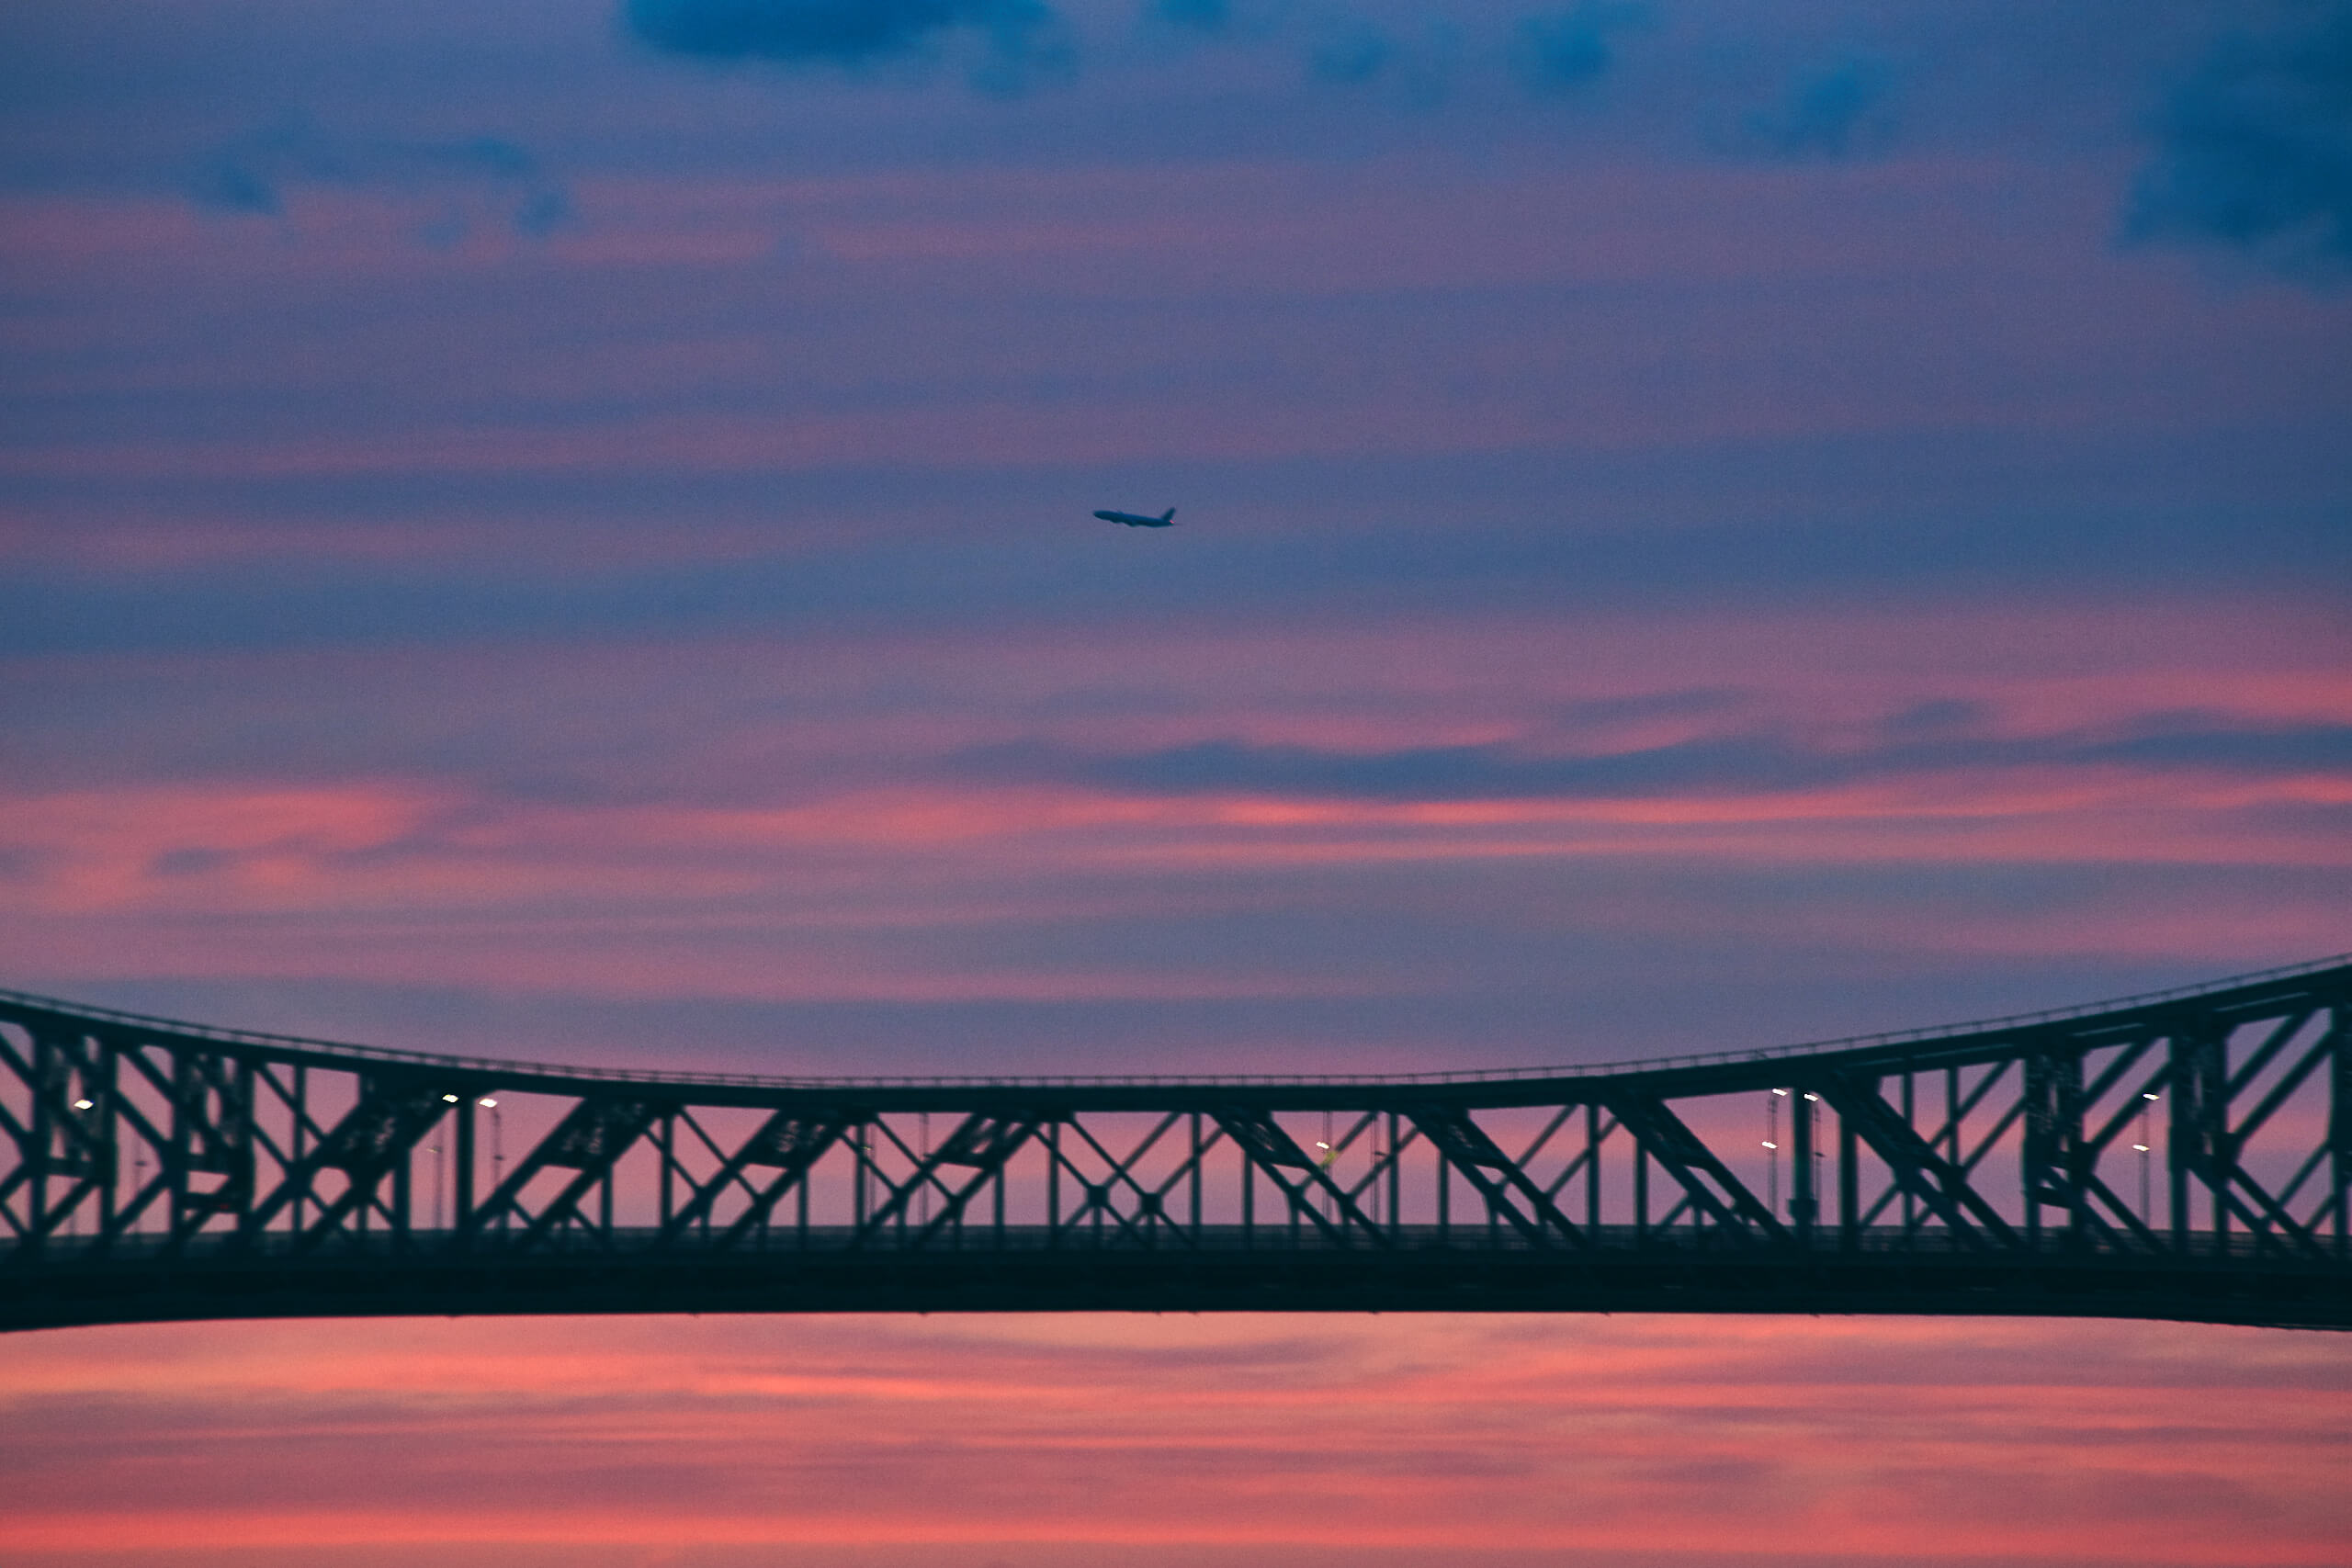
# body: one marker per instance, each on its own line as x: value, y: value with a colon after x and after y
x: 2339, y: 1206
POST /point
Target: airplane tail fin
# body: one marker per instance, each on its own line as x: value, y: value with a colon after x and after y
x: 1169, y: 515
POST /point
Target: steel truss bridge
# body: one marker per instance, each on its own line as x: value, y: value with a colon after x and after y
x: 2182, y: 1155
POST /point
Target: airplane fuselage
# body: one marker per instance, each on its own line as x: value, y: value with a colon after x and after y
x: 1165, y: 520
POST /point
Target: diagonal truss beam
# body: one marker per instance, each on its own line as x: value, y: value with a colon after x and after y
x: 1942, y: 1186
x: 979, y: 1147
x: 1275, y: 1154
x: 372, y: 1141
x: 1512, y: 1195
x: 589, y: 1142
x: 789, y: 1143
x: 1707, y: 1184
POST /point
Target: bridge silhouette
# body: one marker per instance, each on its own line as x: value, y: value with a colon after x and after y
x: 2185, y: 1154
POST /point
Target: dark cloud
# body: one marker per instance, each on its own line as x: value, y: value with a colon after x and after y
x: 464, y: 180
x: 1350, y: 50
x: 1418, y: 67
x: 1835, y: 113
x: 2198, y: 741
x: 2256, y: 152
x: 1195, y: 16
x: 1423, y: 772
x: 1023, y: 38
x: 1753, y: 762
x: 1562, y: 52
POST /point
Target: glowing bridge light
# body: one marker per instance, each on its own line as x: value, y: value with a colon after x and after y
x: 1770, y: 1144
x: 2151, y: 1095
x: 1810, y: 1095
x: 487, y: 1103
x: 1783, y: 1093
x: 2140, y: 1148
x: 449, y: 1099
x: 84, y: 1104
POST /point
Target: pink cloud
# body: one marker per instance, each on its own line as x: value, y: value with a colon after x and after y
x: 797, y: 824
x: 2108, y: 1443
x: 1626, y: 379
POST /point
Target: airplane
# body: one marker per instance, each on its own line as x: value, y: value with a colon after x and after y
x: 1165, y: 520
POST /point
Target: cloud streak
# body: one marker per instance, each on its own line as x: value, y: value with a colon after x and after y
x: 1548, y: 54
x: 1755, y: 762
x: 463, y: 180
x: 1240, y: 1441
x: 1567, y: 52
x: 1840, y: 112
x: 1024, y: 40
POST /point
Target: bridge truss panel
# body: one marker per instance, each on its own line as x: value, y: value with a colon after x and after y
x: 2187, y: 1158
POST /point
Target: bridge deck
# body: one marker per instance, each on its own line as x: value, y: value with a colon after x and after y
x: 1032, y: 1268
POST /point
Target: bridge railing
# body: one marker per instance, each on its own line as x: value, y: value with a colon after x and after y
x: 512, y: 1070
x: 1419, y: 1245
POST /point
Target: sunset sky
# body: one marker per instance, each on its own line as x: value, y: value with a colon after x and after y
x: 559, y: 529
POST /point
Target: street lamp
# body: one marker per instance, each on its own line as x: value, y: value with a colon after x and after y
x: 497, y: 1151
